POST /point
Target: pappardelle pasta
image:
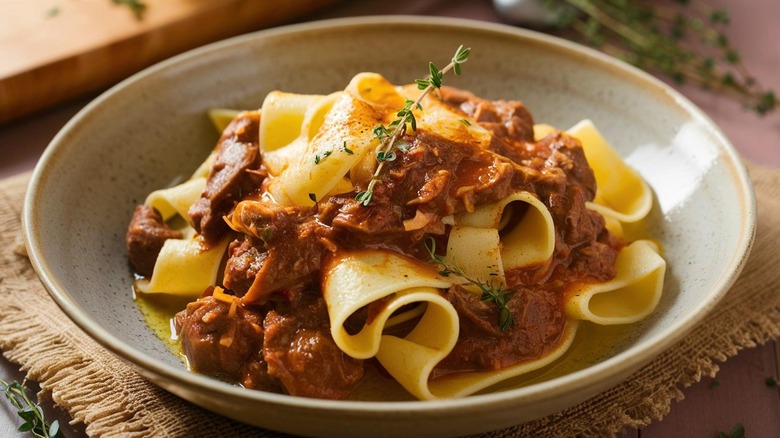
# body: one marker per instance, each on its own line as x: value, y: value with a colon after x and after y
x: 487, y: 242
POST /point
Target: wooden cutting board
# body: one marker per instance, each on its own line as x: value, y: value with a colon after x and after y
x: 54, y: 50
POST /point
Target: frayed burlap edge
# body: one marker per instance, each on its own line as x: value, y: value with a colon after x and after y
x: 90, y: 383
x: 747, y: 316
x: 96, y: 388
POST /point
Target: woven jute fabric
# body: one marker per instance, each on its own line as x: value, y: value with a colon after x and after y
x: 96, y: 388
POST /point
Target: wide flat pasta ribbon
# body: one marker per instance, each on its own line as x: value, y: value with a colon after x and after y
x: 483, y: 249
x: 343, y: 139
x: 177, y: 199
x: 464, y: 384
x: 185, y: 267
x: 621, y: 192
x: 353, y: 280
x: 283, y: 115
x: 477, y: 252
x: 630, y: 297
x: 288, y: 123
x: 440, y: 118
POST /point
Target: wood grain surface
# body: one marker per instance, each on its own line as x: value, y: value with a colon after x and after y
x: 53, y: 50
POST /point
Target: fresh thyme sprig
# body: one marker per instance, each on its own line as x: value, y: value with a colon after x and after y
x: 490, y: 292
x: 30, y: 412
x: 388, y: 135
x: 137, y: 7
x: 686, y: 44
x: 738, y: 431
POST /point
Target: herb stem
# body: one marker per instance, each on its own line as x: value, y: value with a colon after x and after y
x: 406, y: 117
x: 489, y: 292
x: 30, y: 412
x: 684, y: 45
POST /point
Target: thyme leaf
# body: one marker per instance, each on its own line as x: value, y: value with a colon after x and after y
x: 490, y: 292
x: 137, y: 7
x: 30, y: 411
x: 385, y: 156
x: 364, y: 197
x: 388, y: 135
x: 686, y: 42
x: 738, y: 431
x: 320, y: 157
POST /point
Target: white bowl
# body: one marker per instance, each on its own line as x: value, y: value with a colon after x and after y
x: 151, y: 130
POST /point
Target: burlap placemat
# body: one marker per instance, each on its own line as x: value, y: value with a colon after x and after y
x: 112, y: 400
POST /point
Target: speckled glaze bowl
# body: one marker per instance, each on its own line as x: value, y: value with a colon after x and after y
x: 151, y: 131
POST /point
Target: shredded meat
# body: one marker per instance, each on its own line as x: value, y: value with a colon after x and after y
x: 145, y: 237
x: 225, y: 340
x: 538, y: 324
x: 236, y: 173
x: 279, y: 334
x: 293, y: 249
x: 245, y: 260
x: 302, y: 355
x: 510, y: 121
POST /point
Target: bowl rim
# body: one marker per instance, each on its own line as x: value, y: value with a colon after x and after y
x: 622, y: 363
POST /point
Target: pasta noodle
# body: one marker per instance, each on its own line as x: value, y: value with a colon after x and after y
x: 184, y: 268
x: 629, y: 297
x: 297, y: 281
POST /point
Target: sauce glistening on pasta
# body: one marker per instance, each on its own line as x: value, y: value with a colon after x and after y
x: 488, y: 243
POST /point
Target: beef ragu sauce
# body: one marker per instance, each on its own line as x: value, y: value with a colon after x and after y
x: 278, y: 338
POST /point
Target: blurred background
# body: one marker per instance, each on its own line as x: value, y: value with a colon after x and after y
x: 724, y: 55
x: 57, y: 52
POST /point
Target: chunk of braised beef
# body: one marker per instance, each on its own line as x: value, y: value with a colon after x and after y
x: 565, y: 183
x: 145, y: 237
x: 245, y: 259
x: 595, y: 261
x: 301, y: 353
x: 538, y: 324
x: 510, y: 122
x: 225, y: 340
x: 236, y: 172
x: 348, y: 225
x: 291, y: 252
x: 434, y: 177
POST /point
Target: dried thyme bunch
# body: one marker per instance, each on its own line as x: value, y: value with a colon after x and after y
x: 683, y: 39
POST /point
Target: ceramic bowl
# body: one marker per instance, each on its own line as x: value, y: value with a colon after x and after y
x: 151, y: 131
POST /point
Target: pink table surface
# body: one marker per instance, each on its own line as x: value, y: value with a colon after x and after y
x: 740, y: 395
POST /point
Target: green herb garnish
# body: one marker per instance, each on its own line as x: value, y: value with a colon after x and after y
x: 686, y: 42
x: 320, y: 157
x: 737, y: 431
x: 137, y: 7
x: 771, y: 382
x: 30, y: 412
x: 388, y: 135
x: 490, y: 292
